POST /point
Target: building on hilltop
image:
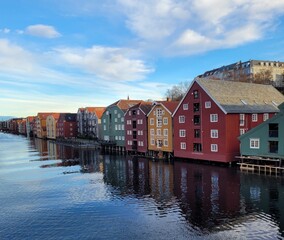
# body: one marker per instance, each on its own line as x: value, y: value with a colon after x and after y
x: 213, y: 114
x: 255, y: 71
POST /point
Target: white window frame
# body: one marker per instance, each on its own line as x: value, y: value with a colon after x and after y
x: 214, y: 133
x: 183, y: 145
x: 214, y: 117
x: 181, y: 119
x: 208, y: 104
x: 185, y: 106
x: 159, y: 132
x: 152, y: 141
x: 242, y: 131
x: 151, y: 121
x: 242, y: 119
x: 254, y: 117
x: 265, y: 116
x: 152, y: 131
x: 165, y: 121
x: 166, y: 142
x: 182, y: 133
x: 214, y: 147
x: 165, y: 132
x: 159, y: 122
x: 254, y: 143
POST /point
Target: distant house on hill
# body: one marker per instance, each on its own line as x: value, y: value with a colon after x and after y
x: 254, y: 71
x: 213, y: 114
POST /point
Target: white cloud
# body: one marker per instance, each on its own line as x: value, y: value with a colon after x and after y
x: 115, y: 64
x: 5, y: 30
x: 44, y: 31
x: 185, y: 27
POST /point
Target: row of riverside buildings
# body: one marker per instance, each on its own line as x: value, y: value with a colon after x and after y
x: 215, y: 121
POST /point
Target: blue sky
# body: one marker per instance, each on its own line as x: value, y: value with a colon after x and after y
x: 65, y: 54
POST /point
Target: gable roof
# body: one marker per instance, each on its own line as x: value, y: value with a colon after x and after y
x: 97, y: 110
x: 145, y: 107
x: 170, y: 106
x: 124, y: 104
x: 241, y: 97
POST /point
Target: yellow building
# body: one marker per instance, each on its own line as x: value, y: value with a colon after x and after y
x: 51, y: 124
x: 41, y: 124
x: 160, y: 128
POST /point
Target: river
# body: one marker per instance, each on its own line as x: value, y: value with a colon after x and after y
x: 49, y: 191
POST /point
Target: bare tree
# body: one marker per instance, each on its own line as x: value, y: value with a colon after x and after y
x: 264, y: 76
x: 177, y: 92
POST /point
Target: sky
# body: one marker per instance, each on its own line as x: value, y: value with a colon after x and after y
x: 59, y: 55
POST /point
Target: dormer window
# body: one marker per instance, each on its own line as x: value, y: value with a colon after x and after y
x: 195, y: 94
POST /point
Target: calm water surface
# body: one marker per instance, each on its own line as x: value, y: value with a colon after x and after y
x: 49, y: 191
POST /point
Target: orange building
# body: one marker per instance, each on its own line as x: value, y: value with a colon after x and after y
x: 41, y: 124
x: 160, y: 128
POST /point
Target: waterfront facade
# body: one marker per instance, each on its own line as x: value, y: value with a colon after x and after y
x: 160, y: 128
x: 89, y: 122
x: 136, y: 128
x: 113, y: 122
x: 213, y: 114
x: 30, y: 122
x: 51, y: 125
x: 67, y: 125
x: 265, y: 140
x: 40, y: 125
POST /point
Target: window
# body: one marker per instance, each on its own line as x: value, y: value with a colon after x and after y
x: 158, y: 132
x: 273, y: 146
x: 265, y: 116
x: 122, y: 127
x: 214, y: 148
x: 254, y: 143
x: 122, y: 138
x: 115, y: 111
x: 185, y: 106
x: 152, y: 141
x: 254, y: 117
x: 142, y: 144
x: 213, y: 117
x: 181, y: 119
x: 122, y: 119
x: 273, y: 130
x: 159, y: 122
x: 151, y: 121
x: 105, y: 128
x: 195, y: 107
x: 129, y: 113
x: 128, y: 122
x: 208, y: 104
x: 195, y: 94
x: 242, y: 119
x: 134, y: 112
x: 152, y: 132
x: 242, y: 131
x: 159, y: 112
x: 197, y: 147
x: 182, y: 145
x: 138, y: 113
x: 115, y: 120
x: 165, y: 142
x: 118, y: 115
x: 214, y: 133
x: 159, y: 143
x: 196, y: 133
x: 165, y: 132
x: 165, y: 121
x: 182, y: 132
x: 196, y: 120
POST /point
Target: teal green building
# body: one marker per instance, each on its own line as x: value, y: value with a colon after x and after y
x: 265, y: 140
x: 113, y: 122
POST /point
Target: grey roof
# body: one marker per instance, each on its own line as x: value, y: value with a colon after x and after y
x: 241, y: 97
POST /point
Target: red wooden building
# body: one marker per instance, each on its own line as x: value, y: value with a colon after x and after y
x: 136, y: 127
x: 213, y: 114
x: 67, y: 125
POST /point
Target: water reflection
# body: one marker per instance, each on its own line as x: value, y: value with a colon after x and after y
x: 210, y: 199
